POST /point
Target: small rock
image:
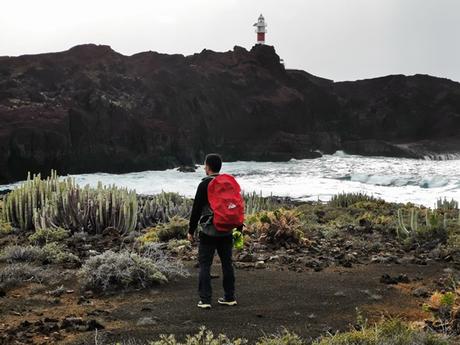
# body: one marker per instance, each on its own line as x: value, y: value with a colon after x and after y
x: 421, y: 292
x: 187, y: 168
x: 260, y: 265
x: 88, y: 294
x: 387, y: 279
x: 246, y: 257
x: 375, y: 297
x: 71, y: 322
x: 92, y: 325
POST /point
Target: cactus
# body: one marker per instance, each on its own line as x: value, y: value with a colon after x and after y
x: 348, y: 199
x: 444, y: 204
x: 402, y: 231
x: 255, y: 203
x: 54, y: 202
x: 435, y: 222
x: 161, y: 208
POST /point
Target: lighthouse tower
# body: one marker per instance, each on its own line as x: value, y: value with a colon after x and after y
x: 261, y: 29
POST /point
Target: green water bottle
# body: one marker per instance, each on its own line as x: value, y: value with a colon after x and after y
x: 238, y: 239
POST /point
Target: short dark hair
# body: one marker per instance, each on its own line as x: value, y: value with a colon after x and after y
x: 214, y: 162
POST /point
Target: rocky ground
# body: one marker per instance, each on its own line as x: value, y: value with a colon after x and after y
x: 310, y: 267
x: 308, y: 290
x: 309, y: 303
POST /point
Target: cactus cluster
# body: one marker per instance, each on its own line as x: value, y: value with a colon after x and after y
x: 254, y: 203
x: 160, y: 208
x: 348, y: 199
x: 53, y: 202
x: 444, y: 204
x: 433, y: 222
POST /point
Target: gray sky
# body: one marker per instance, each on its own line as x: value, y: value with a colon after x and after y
x: 337, y: 39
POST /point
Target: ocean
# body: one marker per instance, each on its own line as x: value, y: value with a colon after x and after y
x: 393, y: 179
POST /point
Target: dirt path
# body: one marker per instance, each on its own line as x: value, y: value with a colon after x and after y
x: 309, y: 303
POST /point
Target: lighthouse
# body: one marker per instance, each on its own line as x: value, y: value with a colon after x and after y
x: 261, y: 29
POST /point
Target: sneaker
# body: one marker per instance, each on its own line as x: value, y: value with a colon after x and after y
x: 203, y: 305
x: 224, y: 301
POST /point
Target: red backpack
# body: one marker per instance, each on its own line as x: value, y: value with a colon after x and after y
x: 226, y: 202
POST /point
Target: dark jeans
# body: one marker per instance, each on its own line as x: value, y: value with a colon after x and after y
x: 208, y: 246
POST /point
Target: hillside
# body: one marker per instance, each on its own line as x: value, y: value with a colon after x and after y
x: 92, y: 109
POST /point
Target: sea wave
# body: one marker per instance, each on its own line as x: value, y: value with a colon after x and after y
x: 396, y: 181
x: 393, y: 179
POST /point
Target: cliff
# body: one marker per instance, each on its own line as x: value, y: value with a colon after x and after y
x: 92, y: 109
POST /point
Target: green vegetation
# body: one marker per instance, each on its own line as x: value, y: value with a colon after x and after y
x: 50, y: 253
x: 162, y: 207
x: 277, y: 228
x: 444, y: 204
x: 255, y: 203
x: 47, y: 235
x: 55, y: 253
x: 203, y: 337
x: 45, y: 203
x: 5, y: 227
x: 283, y: 338
x: 389, y: 332
x: 115, y: 271
x: 422, y: 225
x: 175, y: 229
x: 441, y: 305
x: 348, y: 199
x: 394, y: 332
x: 15, y: 274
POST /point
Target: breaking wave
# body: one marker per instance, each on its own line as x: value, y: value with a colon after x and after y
x: 393, y: 179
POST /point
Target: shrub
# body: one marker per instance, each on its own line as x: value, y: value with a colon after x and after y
x: 21, y: 253
x: 54, y: 253
x: 48, y: 235
x: 176, y: 228
x: 166, y: 264
x: 174, y: 244
x: 203, y: 337
x: 112, y: 271
x: 393, y: 332
x: 278, y: 228
x: 441, y: 305
x: 50, y: 253
x: 5, y: 227
x: 15, y: 274
x: 348, y: 199
x: 285, y: 338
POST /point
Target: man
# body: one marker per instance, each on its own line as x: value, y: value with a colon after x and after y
x: 211, y: 238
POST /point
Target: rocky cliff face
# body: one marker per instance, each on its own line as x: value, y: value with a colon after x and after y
x: 92, y: 109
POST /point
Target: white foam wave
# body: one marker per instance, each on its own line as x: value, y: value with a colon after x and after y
x: 393, y: 179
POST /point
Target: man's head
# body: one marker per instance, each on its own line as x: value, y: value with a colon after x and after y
x: 212, y: 163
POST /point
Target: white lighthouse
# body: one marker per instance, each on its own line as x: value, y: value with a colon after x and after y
x: 261, y: 29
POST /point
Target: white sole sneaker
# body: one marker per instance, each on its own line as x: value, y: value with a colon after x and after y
x: 203, y: 305
x: 223, y: 302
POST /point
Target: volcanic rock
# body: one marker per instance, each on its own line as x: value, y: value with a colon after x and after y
x: 92, y: 109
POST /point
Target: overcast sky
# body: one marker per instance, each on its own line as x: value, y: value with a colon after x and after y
x: 337, y: 39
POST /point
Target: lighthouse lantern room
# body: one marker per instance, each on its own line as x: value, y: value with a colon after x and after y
x: 261, y: 29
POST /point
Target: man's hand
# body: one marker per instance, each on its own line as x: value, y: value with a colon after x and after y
x: 190, y: 237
